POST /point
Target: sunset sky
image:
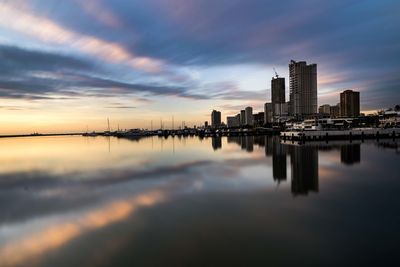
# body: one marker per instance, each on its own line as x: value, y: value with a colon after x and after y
x: 67, y: 65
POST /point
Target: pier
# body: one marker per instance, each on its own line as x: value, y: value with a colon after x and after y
x: 350, y: 134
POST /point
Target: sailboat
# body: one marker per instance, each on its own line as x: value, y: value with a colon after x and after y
x: 108, y: 132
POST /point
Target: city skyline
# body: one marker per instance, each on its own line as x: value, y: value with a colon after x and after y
x: 137, y: 62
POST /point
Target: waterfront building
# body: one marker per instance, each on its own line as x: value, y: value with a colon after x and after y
x: 249, y: 116
x: 242, y: 117
x: 335, y: 111
x: 238, y: 121
x: 325, y: 109
x: 303, y: 89
x: 350, y: 103
x: 280, y: 111
x: 268, y: 113
x: 233, y: 121
x: 258, y: 119
x: 277, y: 95
x: 215, y: 119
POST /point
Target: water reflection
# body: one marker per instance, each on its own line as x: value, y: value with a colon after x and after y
x: 216, y: 142
x: 279, y: 155
x: 304, y: 164
x: 350, y: 153
x: 303, y: 158
x: 184, y: 197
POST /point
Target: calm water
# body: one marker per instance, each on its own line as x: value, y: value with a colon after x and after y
x: 84, y: 201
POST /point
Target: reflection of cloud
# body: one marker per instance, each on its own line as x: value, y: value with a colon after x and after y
x: 33, y: 246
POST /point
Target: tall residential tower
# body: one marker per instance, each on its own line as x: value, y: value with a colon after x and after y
x: 215, y: 119
x: 350, y: 104
x: 303, y: 88
x: 278, y: 95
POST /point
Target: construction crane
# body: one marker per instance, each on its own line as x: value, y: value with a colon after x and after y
x: 276, y: 74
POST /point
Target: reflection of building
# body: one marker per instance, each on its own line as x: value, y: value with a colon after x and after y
x: 304, y: 169
x: 350, y: 153
x: 278, y: 160
x: 234, y: 139
x: 268, y: 146
x: 303, y: 88
x: 259, y: 140
x: 215, y: 119
x: 216, y: 142
x: 350, y: 104
x: 249, y: 143
x: 243, y: 142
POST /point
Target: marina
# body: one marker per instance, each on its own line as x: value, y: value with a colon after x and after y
x: 356, y: 133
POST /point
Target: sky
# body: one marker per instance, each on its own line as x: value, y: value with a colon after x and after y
x: 69, y: 65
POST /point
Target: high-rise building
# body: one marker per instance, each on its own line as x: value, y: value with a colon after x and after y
x: 238, y: 120
x: 277, y: 95
x: 335, y: 111
x: 249, y: 116
x: 215, y: 119
x: 350, y: 103
x: 303, y: 88
x: 242, y: 117
x: 258, y: 119
x: 267, y: 113
x: 233, y: 121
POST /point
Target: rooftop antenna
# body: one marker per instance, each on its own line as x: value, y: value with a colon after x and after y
x: 276, y: 74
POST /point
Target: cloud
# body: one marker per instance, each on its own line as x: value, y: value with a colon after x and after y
x: 41, y: 75
x: 102, y: 13
x: 15, y: 60
x: 159, y: 42
x: 119, y: 106
x: 49, y: 31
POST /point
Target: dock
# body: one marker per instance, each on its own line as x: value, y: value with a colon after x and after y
x: 349, y: 134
